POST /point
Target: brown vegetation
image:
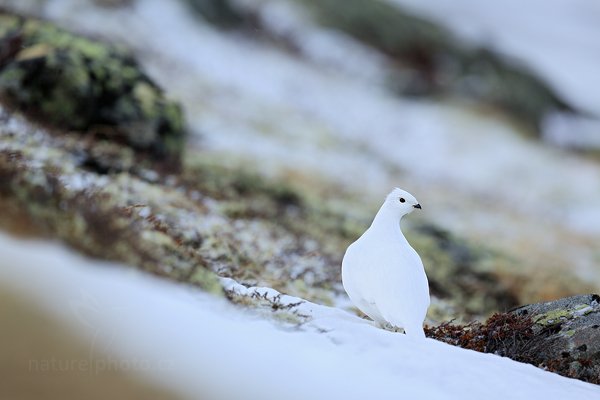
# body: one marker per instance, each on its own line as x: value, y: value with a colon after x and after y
x: 511, y: 335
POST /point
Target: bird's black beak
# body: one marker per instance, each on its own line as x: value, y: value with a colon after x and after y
x: 417, y: 206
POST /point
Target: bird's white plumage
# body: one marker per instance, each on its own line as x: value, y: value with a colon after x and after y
x: 383, y: 275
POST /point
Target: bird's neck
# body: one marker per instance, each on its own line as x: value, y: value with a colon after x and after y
x: 387, y: 220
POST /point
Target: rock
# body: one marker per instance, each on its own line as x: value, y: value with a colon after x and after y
x: 567, y: 335
x: 561, y: 336
x: 85, y: 85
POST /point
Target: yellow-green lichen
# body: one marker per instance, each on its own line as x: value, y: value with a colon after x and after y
x: 207, y: 280
x: 569, y: 333
x: 553, y: 317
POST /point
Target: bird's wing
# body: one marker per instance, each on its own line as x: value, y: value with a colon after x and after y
x: 358, y: 272
x: 403, y: 295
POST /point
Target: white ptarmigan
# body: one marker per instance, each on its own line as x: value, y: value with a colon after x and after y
x: 383, y: 275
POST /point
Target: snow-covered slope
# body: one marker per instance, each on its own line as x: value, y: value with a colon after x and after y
x: 556, y: 38
x: 202, y: 347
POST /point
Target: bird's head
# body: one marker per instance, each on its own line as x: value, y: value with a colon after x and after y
x: 401, y: 201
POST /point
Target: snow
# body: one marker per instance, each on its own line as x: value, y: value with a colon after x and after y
x: 254, y: 100
x: 83, y: 180
x: 326, y: 47
x: 145, y: 212
x: 263, y: 102
x: 572, y: 131
x: 203, y: 347
x: 556, y: 38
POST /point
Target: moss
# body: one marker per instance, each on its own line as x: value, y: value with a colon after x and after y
x: 78, y: 83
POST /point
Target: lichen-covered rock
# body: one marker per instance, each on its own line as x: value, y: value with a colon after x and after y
x: 85, y: 85
x: 567, y: 335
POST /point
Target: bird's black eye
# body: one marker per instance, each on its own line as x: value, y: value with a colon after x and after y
x: 402, y: 200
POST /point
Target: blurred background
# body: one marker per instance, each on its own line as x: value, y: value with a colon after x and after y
x: 310, y: 111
